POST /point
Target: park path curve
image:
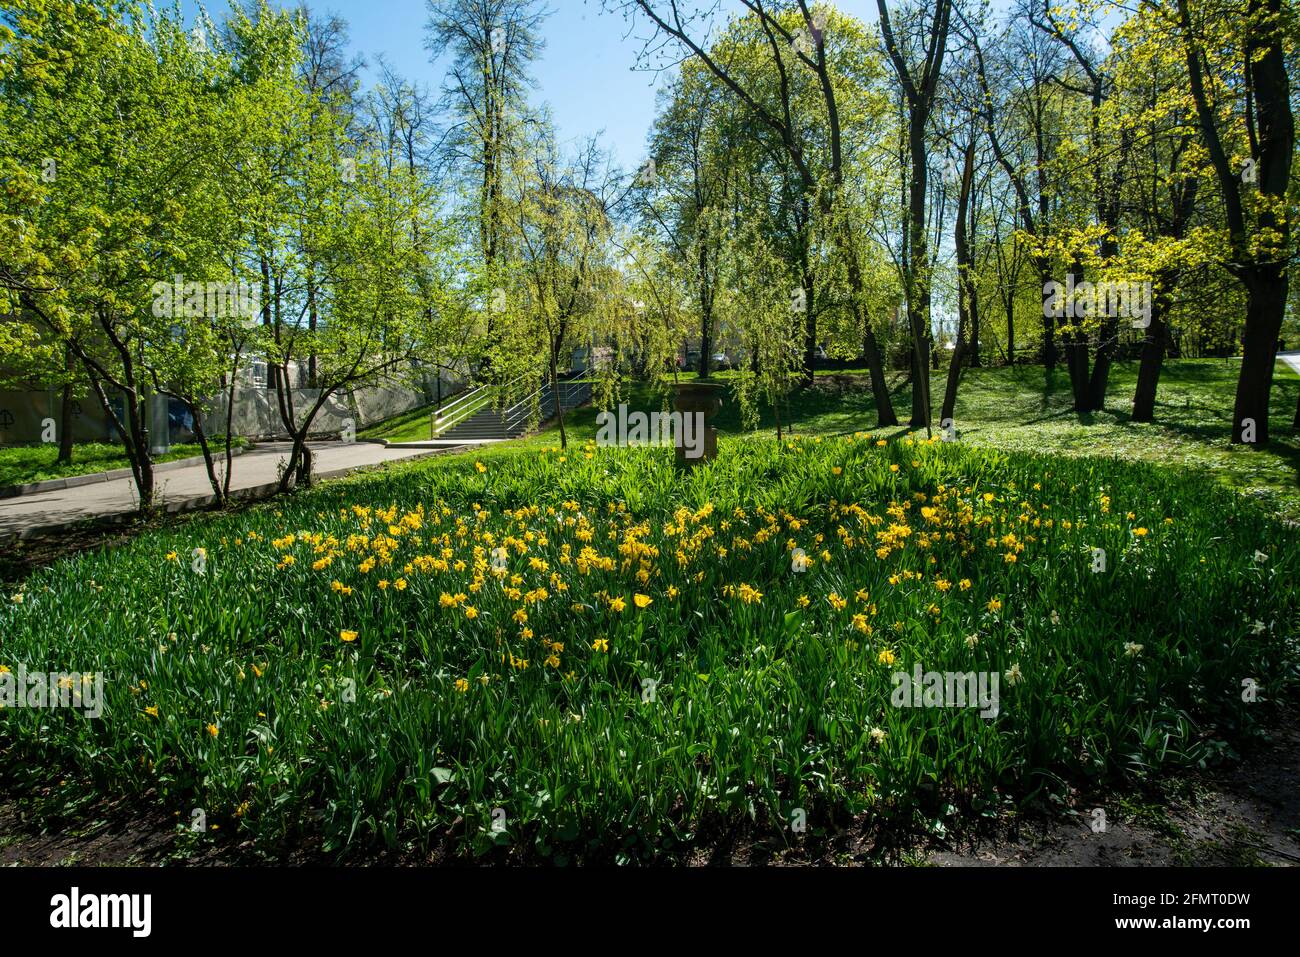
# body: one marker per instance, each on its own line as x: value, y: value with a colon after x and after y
x: 28, y: 516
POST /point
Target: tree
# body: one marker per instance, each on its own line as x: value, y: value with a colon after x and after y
x: 562, y: 229
x: 122, y: 113
x: 491, y: 46
x: 920, y: 82
x: 1235, y: 52
x: 793, y: 38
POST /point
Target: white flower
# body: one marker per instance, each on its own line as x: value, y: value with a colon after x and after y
x: 1056, y: 619
x: 1013, y: 674
x: 1132, y: 649
x: 1260, y: 557
x: 972, y: 640
x: 1259, y: 628
x: 878, y: 736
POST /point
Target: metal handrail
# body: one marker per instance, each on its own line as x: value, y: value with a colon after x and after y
x: 445, y: 412
x: 549, y: 401
x: 462, y: 410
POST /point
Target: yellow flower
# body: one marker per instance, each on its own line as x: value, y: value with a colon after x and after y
x: 213, y: 730
x: 171, y: 556
x: 642, y: 601
x: 601, y: 645
x: 348, y: 636
x: 887, y: 657
x: 995, y: 605
x: 1140, y: 532
x: 471, y: 612
x: 462, y: 685
x: 618, y: 604
x: 672, y: 592
x: 152, y: 711
x: 480, y: 467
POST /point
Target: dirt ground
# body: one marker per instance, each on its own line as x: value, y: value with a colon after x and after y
x: 1247, y: 815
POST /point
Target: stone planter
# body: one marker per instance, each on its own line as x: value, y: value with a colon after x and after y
x: 698, y: 402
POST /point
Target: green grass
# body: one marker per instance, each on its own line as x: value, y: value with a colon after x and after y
x: 745, y: 690
x: 1020, y: 409
x: 23, y: 465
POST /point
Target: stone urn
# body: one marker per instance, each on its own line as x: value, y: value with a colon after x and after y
x: 697, y: 440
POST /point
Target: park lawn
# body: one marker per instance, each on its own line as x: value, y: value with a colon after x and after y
x: 584, y: 655
x: 23, y: 465
x: 1020, y: 409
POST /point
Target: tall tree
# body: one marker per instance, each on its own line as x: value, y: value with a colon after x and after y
x: 1236, y: 57
x: 917, y: 52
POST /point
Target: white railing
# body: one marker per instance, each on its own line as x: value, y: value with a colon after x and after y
x: 467, y: 406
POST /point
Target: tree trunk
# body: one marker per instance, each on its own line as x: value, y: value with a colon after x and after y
x: 555, y: 393
x: 810, y: 331
x: 885, y: 415
x: 1266, y: 292
x: 138, y: 451
x: 946, y: 415
x: 1076, y: 358
x: 967, y: 303
x: 1100, y: 379
x: 1010, y: 303
x: 65, y: 426
x: 706, y: 323
x: 1153, y: 358
x: 197, y: 413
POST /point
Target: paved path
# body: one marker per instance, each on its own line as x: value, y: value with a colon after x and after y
x: 30, y: 515
x: 1292, y: 359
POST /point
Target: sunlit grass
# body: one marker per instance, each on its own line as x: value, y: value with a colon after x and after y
x: 1022, y: 409
x: 22, y: 465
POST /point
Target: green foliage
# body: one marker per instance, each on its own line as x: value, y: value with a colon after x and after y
x: 383, y: 709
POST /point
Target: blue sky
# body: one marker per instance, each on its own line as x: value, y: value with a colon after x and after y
x: 585, y: 76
